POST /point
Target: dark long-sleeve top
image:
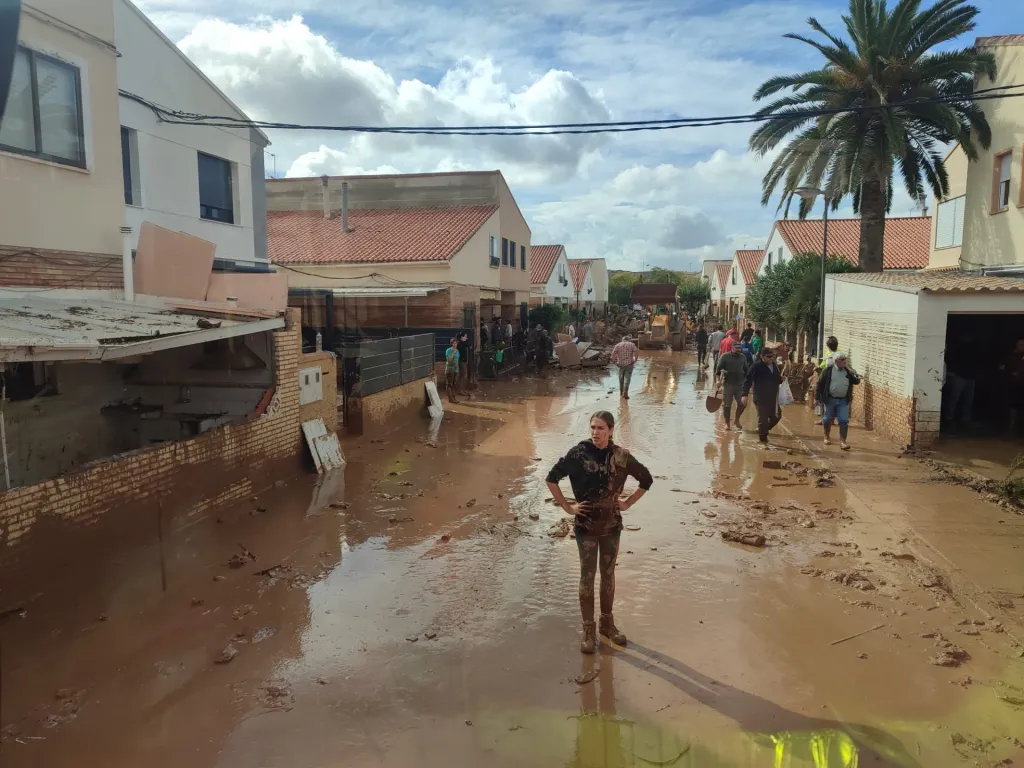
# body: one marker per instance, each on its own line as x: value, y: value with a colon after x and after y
x: 764, y: 380
x: 597, y: 476
x: 735, y: 368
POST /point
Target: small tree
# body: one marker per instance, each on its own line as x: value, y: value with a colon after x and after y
x: 547, y: 315
x: 620, y: 286
x: 788, y: 295
x: 694, y: 293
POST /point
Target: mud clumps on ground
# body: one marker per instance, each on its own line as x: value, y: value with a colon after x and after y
x: 744, y: 537
x: 849, y: 578
x: 1003, y: 493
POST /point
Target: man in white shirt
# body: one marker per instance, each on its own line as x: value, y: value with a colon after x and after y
x: 714, y: 342
x: 572, y: 331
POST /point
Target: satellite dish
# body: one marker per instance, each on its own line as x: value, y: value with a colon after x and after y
x: 10, y: 16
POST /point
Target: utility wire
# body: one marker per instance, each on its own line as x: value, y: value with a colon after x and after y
x: 626, y: 126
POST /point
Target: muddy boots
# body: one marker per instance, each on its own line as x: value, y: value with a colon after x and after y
x: 609, y: 630
x: 589, y: 641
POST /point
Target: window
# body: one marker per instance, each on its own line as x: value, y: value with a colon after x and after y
x: 504, y: 252
x: 130, y: 166
x: 522, y: 258
x: 1001, y: 182
x: 769, y: 259
x: 512, y: 253
x: 495, y: 259
x: 44, y: 110
x: 949, y: 223
x: 216, y: 198
x: 27, y: 381
x: 734, y: 275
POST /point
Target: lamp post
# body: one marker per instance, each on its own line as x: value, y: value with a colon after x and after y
x: 811, y: 194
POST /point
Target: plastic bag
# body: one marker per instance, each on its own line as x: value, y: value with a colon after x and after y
x: 785, y: 394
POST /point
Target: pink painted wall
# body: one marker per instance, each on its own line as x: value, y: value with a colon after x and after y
x: 266, y: 291
x: 172, y: 264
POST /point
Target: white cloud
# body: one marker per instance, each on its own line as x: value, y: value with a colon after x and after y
x: 282, y: 70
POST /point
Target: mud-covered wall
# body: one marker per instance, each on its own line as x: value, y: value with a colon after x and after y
x: 405, y: 401
x: 190, y: 477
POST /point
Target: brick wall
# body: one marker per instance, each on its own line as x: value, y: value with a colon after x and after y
x: 881, y: 410
x: 327, y: 407
x: 187, y: 478
x: 59, y: 269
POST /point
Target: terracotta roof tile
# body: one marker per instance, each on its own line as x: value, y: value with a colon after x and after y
x: 937, y: 282
x: 377, y: 236
x: 749, y: 262
x: 906, y: 245
x: 722, y: 270
x: 542, y: 261
x: 579, y: 269
x: 1000, y: 40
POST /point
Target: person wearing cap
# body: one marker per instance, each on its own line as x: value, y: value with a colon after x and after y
x: 835, y: 392
x: 624, y: 355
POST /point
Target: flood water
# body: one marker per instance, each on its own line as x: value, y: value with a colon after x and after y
x: 413, y: 610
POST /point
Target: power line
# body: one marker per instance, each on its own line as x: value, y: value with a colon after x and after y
x: 625, y: 126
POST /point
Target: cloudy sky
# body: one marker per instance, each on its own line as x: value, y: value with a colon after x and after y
x: 671, y: 198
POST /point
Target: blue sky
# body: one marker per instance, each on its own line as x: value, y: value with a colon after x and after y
x: 669, y: 197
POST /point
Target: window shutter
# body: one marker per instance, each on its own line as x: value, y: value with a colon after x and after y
x: 944, y: 217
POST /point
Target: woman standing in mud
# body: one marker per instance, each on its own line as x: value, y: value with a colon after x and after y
x: 597, y: 470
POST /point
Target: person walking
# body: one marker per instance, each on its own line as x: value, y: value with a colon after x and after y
x: 451, y: 370
x: 463, y: 363
x: 571, y: 330
x: 835, y: 392
x: 714, y: 342
x: 757, y: 343
x: 764, y: 379
x: 544, y: 350
x: 732, y: 371
x: 831, y: 350
x: 702, y: 346
x: 624, y: 355
x: 748, y: 333
x: 732, y: 337
x: 597, y: 470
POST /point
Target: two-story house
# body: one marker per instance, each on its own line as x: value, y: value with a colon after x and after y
x: 550, y: 276
x: 742, y: 272
x: 365, y: 254
x: 933, y: 346
x: 590, y: 283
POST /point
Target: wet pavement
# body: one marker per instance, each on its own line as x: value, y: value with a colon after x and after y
x: 413, y: 610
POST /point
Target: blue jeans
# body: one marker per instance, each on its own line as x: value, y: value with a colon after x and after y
x: 959, y: 399
x: 837, y: 409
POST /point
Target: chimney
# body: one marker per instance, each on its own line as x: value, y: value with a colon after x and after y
x: 344, y: 206
x: 126, y: 264
x: 325, y: 194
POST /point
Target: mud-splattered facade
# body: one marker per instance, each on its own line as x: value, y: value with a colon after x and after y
x: 191, y: 476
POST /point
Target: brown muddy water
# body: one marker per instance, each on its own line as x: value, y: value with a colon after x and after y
x: 413, y: 610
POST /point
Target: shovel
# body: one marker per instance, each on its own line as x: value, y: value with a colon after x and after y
x: 713, y: 402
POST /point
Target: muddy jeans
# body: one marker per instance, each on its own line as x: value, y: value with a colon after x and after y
x: 625, y: 376
x: 732, y: 393
x: 597, y: 553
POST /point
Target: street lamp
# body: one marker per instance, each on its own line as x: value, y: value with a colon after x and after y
x: 811, y: 194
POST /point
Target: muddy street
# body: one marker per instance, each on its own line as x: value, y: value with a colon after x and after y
x: 417, y: 610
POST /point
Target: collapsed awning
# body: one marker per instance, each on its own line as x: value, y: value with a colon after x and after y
x: 51, y: 329
x: 406, y: 292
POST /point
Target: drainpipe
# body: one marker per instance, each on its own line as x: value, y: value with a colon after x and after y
x: 344, y: 206
x: 325, y: 196
x: 126, y: 264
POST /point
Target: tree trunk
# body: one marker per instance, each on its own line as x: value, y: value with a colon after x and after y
x: 872, y: 225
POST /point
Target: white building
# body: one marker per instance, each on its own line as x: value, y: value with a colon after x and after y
x: 202, y: 180
x: 742, y: 273
x: 599, y: 276
x: 550, y: 276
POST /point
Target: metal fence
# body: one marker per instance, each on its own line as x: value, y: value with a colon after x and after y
x: 392, y: 362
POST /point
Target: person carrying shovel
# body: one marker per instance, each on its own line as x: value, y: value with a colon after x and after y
x: 731, y: 372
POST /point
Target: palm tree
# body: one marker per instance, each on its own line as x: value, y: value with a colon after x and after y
x: 855, y: 149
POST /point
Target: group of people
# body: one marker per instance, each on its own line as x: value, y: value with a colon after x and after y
x: 746, y: 368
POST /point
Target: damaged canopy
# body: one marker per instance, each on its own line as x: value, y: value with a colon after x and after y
x: 39, y: 329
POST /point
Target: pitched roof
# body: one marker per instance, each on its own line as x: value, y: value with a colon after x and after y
x: 953, y: 281
x: 542, y: 261
x: 906, y: 245
x: 749, y: 262
x: 1000, y: 40
x: 377, y: 236
x: 579, y: 269
x: 722, y: 271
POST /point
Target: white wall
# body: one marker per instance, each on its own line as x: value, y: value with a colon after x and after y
x: 775, y: 242
x: 554, y: 289
x: 736, y: 291
x: 878, y: 328
x: 153, y: 68
x: 599, y: 275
